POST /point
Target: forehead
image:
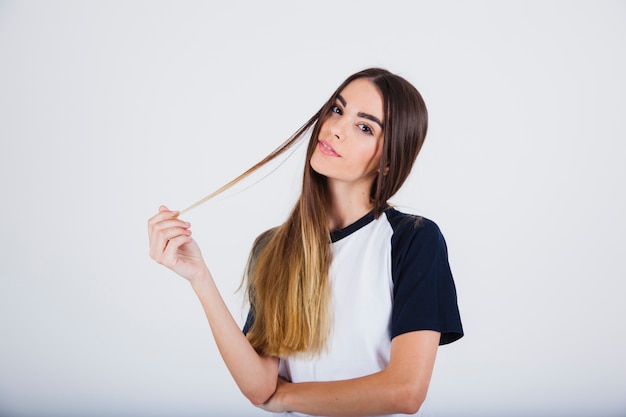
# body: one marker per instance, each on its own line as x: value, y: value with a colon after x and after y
x: 361, y: 95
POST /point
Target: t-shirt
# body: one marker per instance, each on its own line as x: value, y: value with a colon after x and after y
x: 388, y: 276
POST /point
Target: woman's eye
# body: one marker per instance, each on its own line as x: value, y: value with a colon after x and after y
x: 335, y: 109
x: 365, y: 128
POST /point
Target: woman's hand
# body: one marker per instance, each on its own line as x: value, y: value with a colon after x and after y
x: 171, y: 245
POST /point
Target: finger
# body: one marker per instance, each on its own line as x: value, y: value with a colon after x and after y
x: 163, y: 251
x: 170, y: 254
x: 168, y: 224
x: 156, y: 228
x: 164, y: 208
x: 159, y: 217
x: 161, y: 239
x: 163, y: 214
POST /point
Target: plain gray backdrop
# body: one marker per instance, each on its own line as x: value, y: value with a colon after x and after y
x: 109, y: 109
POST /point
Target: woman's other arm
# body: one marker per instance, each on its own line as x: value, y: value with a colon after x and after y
x: 172, y: 246
x: 400, y: 388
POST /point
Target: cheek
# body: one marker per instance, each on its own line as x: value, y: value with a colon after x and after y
x: 371, y: 153
x: 313, y: 161
x: 323, y: 128
x: 316, y: 161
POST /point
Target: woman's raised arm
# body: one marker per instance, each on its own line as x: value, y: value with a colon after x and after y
x: 172, y: 246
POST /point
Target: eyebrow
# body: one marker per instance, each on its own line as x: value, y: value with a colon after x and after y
x: 361, y: 114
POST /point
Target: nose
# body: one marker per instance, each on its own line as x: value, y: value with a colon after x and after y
x: 337, y: 130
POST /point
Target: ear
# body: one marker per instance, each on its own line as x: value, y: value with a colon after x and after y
x: 385, y: 171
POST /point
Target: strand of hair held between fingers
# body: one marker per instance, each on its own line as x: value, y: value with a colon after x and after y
x: 236, y: 180
x: 294, y: 139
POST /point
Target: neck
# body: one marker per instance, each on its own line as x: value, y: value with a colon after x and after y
x: 349, y: 203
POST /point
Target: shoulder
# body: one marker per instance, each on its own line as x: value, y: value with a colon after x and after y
x: 261, y: 240
x: 417, y: 245
x: 257, y: 247
x: 413, y: 229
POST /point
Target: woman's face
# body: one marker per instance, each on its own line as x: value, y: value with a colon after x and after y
x: 351, y: 138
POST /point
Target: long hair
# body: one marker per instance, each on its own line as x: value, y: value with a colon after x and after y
x: 287, y: 274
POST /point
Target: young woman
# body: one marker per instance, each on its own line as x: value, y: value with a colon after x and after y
x: 350, y: 298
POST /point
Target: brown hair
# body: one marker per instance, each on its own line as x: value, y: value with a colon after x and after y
x: 287, y: 275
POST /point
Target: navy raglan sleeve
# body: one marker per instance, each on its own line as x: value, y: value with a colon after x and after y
x: 249, y: 321
x: 424, y: 292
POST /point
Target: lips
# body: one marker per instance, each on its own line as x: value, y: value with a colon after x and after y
x: 327, y: 149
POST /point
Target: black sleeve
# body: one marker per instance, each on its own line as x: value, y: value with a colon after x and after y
x: 249, y: 321
x: 424, y: 292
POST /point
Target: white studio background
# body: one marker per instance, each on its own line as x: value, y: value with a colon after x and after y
x: 109, y: 109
